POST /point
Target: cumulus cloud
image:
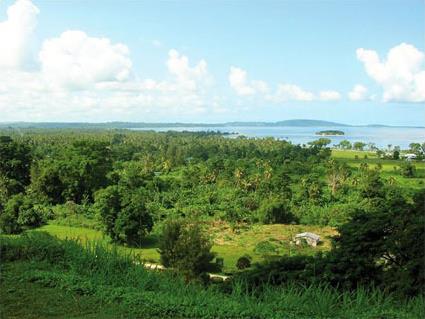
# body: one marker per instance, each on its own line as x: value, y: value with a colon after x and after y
x: 238, y: 79
x: 401, y: 75
x: 329, y: 96
x: 358, y: 93
x: 15, y: 34
x: 189, y: 78
x: 243, y: 86
x: 75, y: 60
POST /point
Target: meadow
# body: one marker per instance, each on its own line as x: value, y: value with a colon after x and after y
x: 229, y: 243
x: 389, y: 167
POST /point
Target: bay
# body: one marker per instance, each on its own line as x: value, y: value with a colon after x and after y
x: 380, y: 136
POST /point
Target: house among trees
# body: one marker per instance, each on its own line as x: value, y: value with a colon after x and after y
x: 310, y: 238
x: 409, y: 156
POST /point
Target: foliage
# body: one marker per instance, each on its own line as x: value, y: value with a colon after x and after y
x: 385, y: 243
x: 359, y: 146
x: 77, y: 172
x: 266, y: 247
x: 244, y: 262
x: 185, y: 247
x: 275, y: 211
x: 407, y: 169
x: 124, y: 214
x: 21, y: 212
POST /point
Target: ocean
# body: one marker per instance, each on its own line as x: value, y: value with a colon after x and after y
x: 380, y: 136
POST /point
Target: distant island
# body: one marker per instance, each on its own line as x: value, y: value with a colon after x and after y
x: 146, y: 125
x: 330, y: 132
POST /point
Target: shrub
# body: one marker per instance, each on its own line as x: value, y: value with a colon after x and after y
x: 407, y: 169
x: 21, y: 212
x: 275, y: 211
x: 265, y: 247
x: 244, y: 262
x: 185, y: 247
x: 281, y: 271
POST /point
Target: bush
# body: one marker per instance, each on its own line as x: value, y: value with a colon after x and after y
x: 244, y: 262
x: 21, y: 212
x: 265, y: 247
x: 275, y: 211
x: 185, y: 247
x: 407, y: 169
x: 277, y: 272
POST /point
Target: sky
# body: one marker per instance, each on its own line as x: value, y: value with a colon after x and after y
x: 349, y: 61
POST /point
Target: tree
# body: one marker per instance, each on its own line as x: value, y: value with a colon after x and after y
x: 124, y: 214
x: 384, y: 245
x: 75, y: 174
x: 337, y: 174
x: 359, y: 146
x: 21, y: 212
x: 370, y: 183
x: 396, y: 155
x: 134, y: 222
x: 108, y: 206
x: 15, y: 162
x: 321, y: 142
x: 311, y: 188
x: 275, y: 211
x: 345, y: 144
x: 185, y: 247
x: 47, y: 180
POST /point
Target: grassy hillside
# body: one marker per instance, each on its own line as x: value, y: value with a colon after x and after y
x: 229, y: 243
x: 43, y: 277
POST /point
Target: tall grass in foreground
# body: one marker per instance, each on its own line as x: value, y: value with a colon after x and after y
x: 93, y: 269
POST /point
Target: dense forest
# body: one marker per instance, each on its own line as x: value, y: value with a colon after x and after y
x: 130, y: 184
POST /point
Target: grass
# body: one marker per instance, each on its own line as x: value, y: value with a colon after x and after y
x: 229, y: 243
x: 24, y: 299
x: 96, y: 282
x: 389, y: 166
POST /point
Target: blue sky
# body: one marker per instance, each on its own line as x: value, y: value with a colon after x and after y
x: 355, y: 62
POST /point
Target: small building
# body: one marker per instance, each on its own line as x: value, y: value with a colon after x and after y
x: 409, y: 156
x: 310, y: 238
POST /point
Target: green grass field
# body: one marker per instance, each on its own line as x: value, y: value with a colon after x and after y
x: 229, y: 243
x: 43, y: 277
x: 24, y: 299
x: 389, y: 167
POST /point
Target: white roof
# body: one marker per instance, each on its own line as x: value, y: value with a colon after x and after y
x: 409, y: 155
x: 308, y: 235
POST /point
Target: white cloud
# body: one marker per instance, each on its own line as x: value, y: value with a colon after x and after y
x: 358, y: 93
x: 76, y: 61
x: 240, y: 83
x: 188, y: 78
x: 401, y: 75
x: 329, y: 96
x: 238, y: 79
x: 15, y: 34
x: 291, y: 92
